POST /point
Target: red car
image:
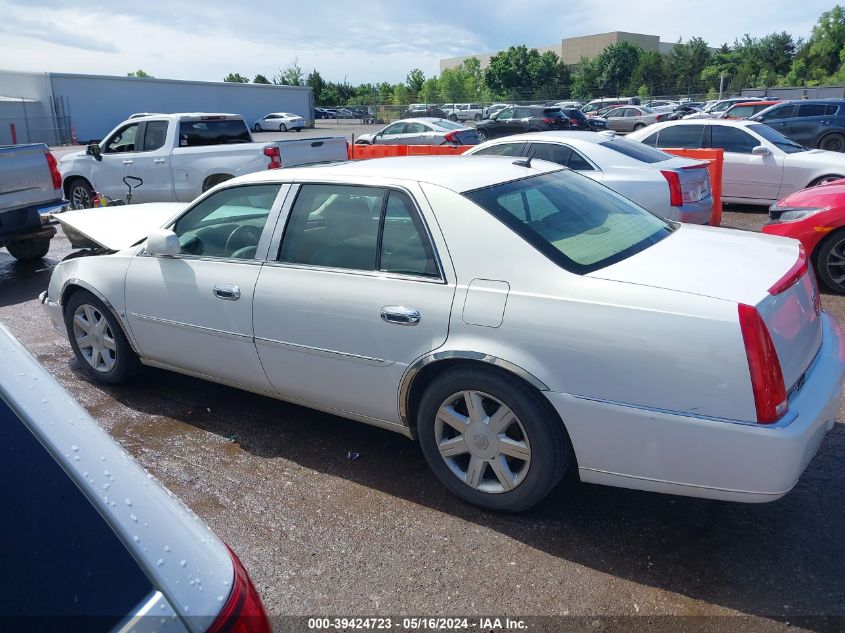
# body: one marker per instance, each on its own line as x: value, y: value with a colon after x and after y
x: 816, y: 218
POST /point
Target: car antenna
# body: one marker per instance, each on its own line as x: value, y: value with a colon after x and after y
x: 524, y: 162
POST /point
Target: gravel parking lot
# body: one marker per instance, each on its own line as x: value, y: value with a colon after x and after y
x: 325, y: 534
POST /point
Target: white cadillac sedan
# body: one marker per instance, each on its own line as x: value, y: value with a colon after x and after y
x: 761, y: 165
x: 516, y: 317
x: 672, y: 187
x: 279, y: 122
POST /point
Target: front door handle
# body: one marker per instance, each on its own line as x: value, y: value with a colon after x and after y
x: 400, y: 315
x: 227, y: 292
x: 127, y: 162
x: 159, y: 161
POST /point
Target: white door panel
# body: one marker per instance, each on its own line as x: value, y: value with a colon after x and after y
x: 108, y: 174
x: 750, y: 176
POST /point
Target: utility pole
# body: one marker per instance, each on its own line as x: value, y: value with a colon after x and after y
x: 721, y: 84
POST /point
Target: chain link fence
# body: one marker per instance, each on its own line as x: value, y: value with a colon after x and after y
x: 52, y: 130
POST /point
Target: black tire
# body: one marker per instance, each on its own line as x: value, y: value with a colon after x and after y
x: 830, y: 261
x: 482, y: 135
x: 126, y: 363
x: 833, y: 142
x: 639, y: 126
x: 27, y: 250
x: 297, y: 129
x: 477, y: 117
x: 549, y: 444
x: 80, y: 193
x: 283, y: 127
x: 256, y: 127
x: 453, y: 117
x: 823, y: 179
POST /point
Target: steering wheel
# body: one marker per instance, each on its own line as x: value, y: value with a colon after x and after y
x: 248, y: 236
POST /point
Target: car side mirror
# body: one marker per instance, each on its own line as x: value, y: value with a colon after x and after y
x: 163, y: 242
x: 761, y: 151
x: 94, y: 150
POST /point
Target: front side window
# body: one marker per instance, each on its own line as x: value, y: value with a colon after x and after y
x: 580, y: 225
x: 228, y: 223
x: 682, y: 136
x: 777, y: 139
x: 783, y: 112
x: 123, y: 140
x: 155, y: 135
x: 732, y: 139
x: 502, y: 149
x: 616, y: 112
x: 524, y: 113
x: 505, y: 114
x: 551, y: 152
x: 396, y: 128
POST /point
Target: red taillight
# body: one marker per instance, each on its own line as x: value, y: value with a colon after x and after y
x: 275, y: 157
x: 243, y: 611
x: 54, y: 170
x: 451, y: 137
x: 798, y: 270
x: 763, y: 365
x: 574, y: 122
x: 676, y: 196
x: 548, y: 121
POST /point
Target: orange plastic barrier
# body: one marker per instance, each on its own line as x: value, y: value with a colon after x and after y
x: 715, y: 159
x: 359, y: 152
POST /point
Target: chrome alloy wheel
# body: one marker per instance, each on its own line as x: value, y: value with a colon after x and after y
x: 836, y: 263
x: 80, y: 198
x: 482, y: 441
x: 94, y: 338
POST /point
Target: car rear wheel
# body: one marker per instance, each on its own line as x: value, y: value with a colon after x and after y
x: 830, y: 261
x: 639, y: 126
x: 453, y: 117
x: 80, y: 193
x: 833, y: 142
x: 97, y: 340
x: 283, y: 127
x: 482, y: 135
x: 27, y: 250
x: 491, y: 439
x: 256, y: 127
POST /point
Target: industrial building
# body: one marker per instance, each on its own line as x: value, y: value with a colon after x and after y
x: 572, y: 49
x: 56, y: 108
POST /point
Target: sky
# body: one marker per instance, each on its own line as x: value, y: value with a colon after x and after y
x: 360, y: 41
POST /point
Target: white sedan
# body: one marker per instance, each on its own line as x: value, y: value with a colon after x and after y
x: 279, y: 121
x: 761, y: 165
x: 520, y: 320
x: 669, y: 186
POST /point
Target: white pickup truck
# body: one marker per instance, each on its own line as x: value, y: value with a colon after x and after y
x: 178, y: 156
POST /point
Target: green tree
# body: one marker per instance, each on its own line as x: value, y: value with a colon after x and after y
x: 415, y: 80
x: 686, y: 63
x: 474, y: 78
x: 616, y: 65
x: 290, y: 76
x: 260, y: 79
x: 140, y: 74
x: 642, y: 92
x: 585, y: 80
x: 236, y: 78
x: 822, y: 56
x: 400, y: 95
x: 544, y: 74
x: 650, y: 72
x: 507, y: 74
x: 453, y: 84
x: 315, y: 80
x: 429, y: 91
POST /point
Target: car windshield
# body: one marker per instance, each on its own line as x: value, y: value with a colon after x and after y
x: 446, y: 124
x: 575, y: 222
x: 777, y: 139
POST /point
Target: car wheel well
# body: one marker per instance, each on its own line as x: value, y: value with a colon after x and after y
x: 72, y: 288
x: 821, y: 179
x: 71, y: 179
x: 214, y: 180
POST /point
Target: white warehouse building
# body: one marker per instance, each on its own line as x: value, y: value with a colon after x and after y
x: 55, y: 108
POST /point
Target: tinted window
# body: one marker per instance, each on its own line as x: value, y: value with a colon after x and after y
x: 505, y: 114
x: 228, y: 223
x: 782, y: 112
x: 405, y: 247
x: 446, y: 124
x: 777, y: 139
x: 575, y: 222
x: 155, y: 135
x: 830, y: 110
x: 220, y: 132
x: 334, y: 225
x: 524, y: 113
x: 683, y: 136
x: 578, y: 162
x: 651, y: 140
x: 637, y: 151
x: 396, y: 128
x: 60, y: 558
x: 555, y: 113
x: 732, y: 139
x: 123, y: 140
x: 503, y: 149
x: 551, y: 152
x: 811, y: 109
x: 742, y: 111
x: 616, y: 112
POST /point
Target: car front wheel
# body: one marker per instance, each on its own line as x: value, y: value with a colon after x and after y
x: 282, y: 127
x: 256, y: 127
x: 830, y: 261
x: 97, y: 340
x: 491, y: 439
x: 81, y: 194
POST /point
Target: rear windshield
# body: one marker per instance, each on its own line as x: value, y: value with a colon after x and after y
x: 446, y: 124
x: 575, y: 222
x: 65, y: 567
x: 635, y: 150
x: 221, y: 132
x: 777, y: 139
x: 555, y: 113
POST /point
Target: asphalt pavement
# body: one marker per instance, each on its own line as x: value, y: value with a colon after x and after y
x: 335, y: 518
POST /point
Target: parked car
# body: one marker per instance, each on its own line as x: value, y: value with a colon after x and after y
x: 178, y: 156
x: 466, y: 112
x: 494, y: 108
x: 745, y: 109
x: 811, y: 122
x: 519, y: 119
x: 569, y: 105
x: 30, y: 188
x: 599, y: 104
x: 715, y: 109
x: 631, y: 118
x: 281, y: 121
x: 322, y: 113
x: 91, y: 541
x: 421, y: 131
x: 684, y: 112
x: 669, y: 186
x: 761, y: 165
x: 514, y: 318
x: 816, y: 218
x: 579, y: 121
x: 661, y: 105
x: 421, y: 110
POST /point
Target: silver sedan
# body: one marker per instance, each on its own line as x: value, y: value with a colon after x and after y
x: 421, y: 131
x: 630, y: 118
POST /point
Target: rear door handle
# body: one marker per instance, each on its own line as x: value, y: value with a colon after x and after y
x: 227, y: 292
x: 400, y: 315
x: 128, y: 162
x: 159, y: 161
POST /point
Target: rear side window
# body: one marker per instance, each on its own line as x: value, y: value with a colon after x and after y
x: 783, y: 112
x: 502, y: 149
x: 831, y: 110
x: 63, y: 564
x: 682, y: 136
x: 551, y: 152
x: 637, y: 151
x: 812, y: 109
x: 580, y: 225
x: 213, y: 132
x: 405, y: 248
x: 155, y: 135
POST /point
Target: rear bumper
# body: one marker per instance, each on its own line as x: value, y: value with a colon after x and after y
x: 675, y: 453
x: 27, y: 219
x: 700, y: 212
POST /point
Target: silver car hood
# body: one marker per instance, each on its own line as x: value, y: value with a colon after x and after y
x: 116, y: 228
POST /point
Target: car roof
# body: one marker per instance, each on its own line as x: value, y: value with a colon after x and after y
x: 457, y: 173
x: 583, y: 136
x: 756, y: 102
